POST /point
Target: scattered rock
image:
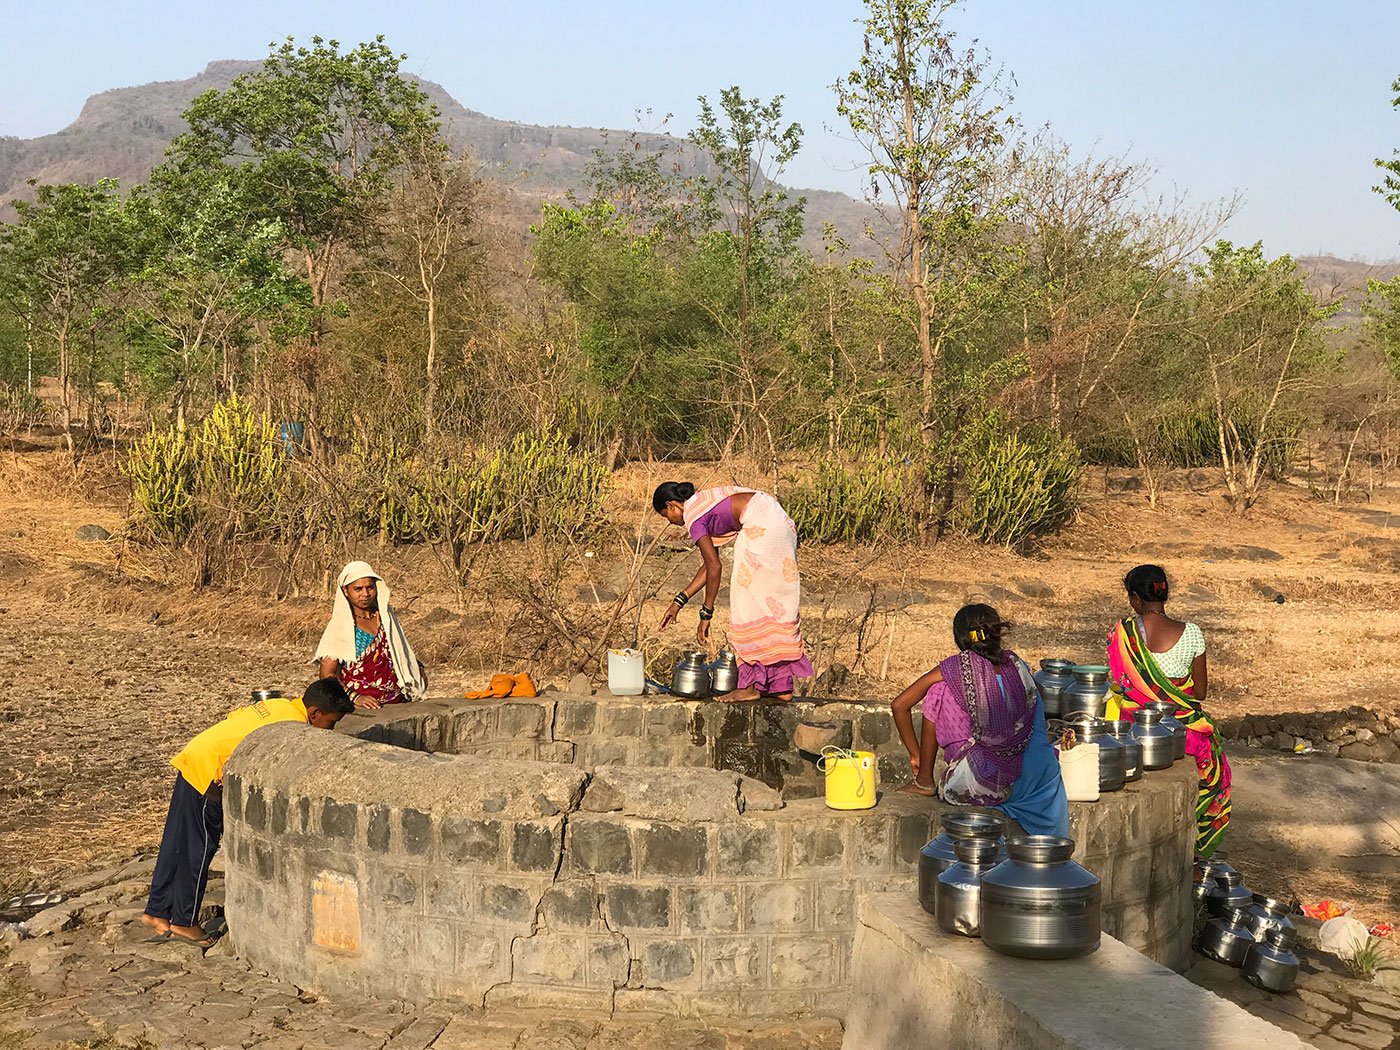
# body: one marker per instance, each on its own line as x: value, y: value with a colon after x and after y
x: 1252, y: 553
x: 812, y: 737
x: 1034, y: 588
x: 756, y: 795
x: 92, y: 533
x: 581, y: 685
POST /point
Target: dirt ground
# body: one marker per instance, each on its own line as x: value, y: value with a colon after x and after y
x: 109, y: 660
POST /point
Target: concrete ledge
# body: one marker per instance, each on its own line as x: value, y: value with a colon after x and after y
x: 915, y: 987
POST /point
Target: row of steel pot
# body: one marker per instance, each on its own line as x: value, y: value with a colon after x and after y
x: 1076, y: 696
x: 1023, y: 896
x: 694, y: 677
x: 1245, y: 929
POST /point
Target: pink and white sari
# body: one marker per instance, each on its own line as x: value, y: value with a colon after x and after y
x: 765, y: 590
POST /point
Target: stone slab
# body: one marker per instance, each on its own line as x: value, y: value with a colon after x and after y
x: 916, y: 987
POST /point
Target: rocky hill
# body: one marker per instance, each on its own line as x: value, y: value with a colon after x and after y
x: 123, y: 133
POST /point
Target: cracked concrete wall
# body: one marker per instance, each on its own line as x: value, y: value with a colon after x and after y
x: 353, y: 868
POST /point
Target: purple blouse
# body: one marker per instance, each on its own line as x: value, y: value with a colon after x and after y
x: 719, y: 520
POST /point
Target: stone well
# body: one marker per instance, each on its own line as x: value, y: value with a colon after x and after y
x: 635, y: 854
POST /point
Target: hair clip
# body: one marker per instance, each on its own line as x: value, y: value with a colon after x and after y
x: 976, y: 634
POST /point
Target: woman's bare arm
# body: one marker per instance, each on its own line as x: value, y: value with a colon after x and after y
x: 903, y: 706
x: 1199, y: 678
x: 710, y: 569
x: 329, y: 666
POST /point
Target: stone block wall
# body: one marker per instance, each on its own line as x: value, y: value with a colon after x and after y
x: 355, y: 868
x: 753, y: 739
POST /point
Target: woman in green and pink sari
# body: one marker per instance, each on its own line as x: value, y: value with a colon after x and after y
x: 765, y: 592
x: 1151, y: 657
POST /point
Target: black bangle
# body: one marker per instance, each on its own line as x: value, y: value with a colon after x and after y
x: 681, y: 598
x: 706, y: 613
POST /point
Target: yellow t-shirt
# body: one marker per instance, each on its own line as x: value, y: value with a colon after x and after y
x: 202, y: 760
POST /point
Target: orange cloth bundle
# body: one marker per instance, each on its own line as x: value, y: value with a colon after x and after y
x: 1323, y: 910
x: 503, y: 685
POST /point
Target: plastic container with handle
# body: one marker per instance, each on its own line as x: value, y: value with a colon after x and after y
x: 850, y: 778
x: 1079, y: 768
x: 626, y: 672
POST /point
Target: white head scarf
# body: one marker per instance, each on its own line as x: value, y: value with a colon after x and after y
x: 338, y: 639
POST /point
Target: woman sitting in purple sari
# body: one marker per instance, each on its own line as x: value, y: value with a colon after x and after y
x: 982, y: 708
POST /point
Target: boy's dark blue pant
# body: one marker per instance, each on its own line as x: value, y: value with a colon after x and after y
x: 193, y: 828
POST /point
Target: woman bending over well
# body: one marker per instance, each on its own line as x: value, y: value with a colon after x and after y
x: 765, y: 592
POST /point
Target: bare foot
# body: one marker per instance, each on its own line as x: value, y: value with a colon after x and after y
x: 915, y: 788
x: 784, y: 697
x: 739, y: 696
x: 156, y: 923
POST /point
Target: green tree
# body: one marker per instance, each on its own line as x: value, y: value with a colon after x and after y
x: 67, y: 261
x: 316, y: 136
x: 213, y: 269
x: 750, y: 147
x: 427, y: 254
x: 933, y: 118
x: 1390, y: 181
x: 1257, y: 337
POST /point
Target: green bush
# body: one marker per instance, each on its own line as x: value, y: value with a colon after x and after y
x: 1016, y: 483
x: 229, y: 468
x: 161, y: 467
x: 1188, y: 438
x: 538, y: 485
x: 851, y: 503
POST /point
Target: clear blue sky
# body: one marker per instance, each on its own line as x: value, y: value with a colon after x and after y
x: 1285, y: 101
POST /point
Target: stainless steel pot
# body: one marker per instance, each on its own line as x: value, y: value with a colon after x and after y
x: 266, y: 694
x: 1122, y: 731
x: 1053, y: 678
x: 1113, y: 765
x: 1039, y: 904
x: 1272, y: 965
x: 1087, y: 694
x: 1230, y: 894
x: 1168, y: 712
x: 724, y: 672
x: 957, y: 895
x: 940, y: 853
x: 1201, y: 888
x: 1226, y: 938
x: 1158, y: 744
x: 1267, y: 913
x: 691, y: 677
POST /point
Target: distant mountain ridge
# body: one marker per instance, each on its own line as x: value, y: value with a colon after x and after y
x: 122, y: 133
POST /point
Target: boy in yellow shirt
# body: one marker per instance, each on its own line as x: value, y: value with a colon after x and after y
x: 195, y: 822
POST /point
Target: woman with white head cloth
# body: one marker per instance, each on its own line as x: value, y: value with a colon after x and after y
x: 365, y: 647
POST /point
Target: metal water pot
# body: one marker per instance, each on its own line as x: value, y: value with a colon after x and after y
x: 957, y: 896
x: 1158, y: 744
x: 1230, y: 894
x: 1053, y: 678
x: 1267, y: 913
x: 1087, y: 694
x: 1122, y: 731
x: 1039, y: 904
x: 940, y: 854
x: 1201, y: 889
x: 724, y: 672
x: 1272, y: 965
x: 259, y: 695
x: 1113, y: 764
x: 1168, y: 711
x: 691, y: 677
x: 1226, y: 939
